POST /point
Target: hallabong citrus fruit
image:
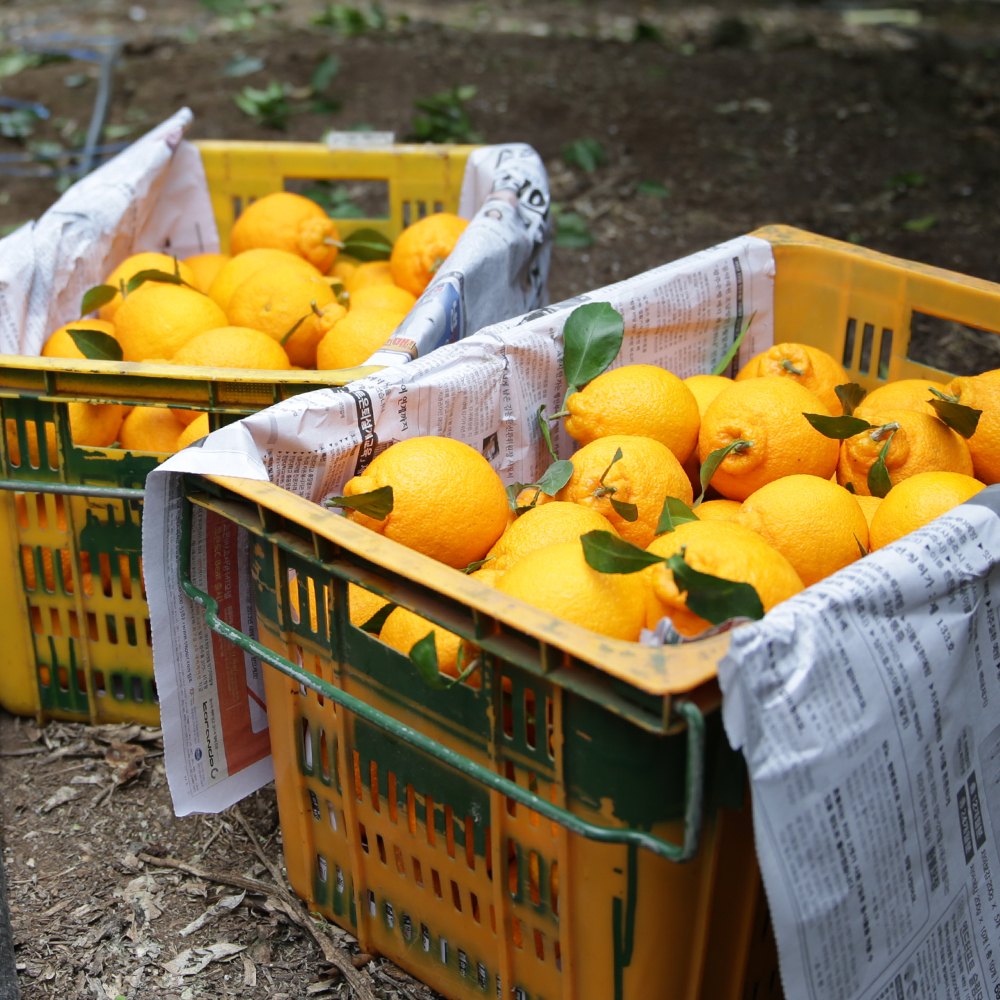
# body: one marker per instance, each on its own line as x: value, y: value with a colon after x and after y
x: 809, y: 366
x: 917, y: 501
x: 422, y: 248
x: 287, y: 221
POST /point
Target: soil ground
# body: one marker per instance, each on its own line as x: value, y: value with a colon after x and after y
x: 716, y: 121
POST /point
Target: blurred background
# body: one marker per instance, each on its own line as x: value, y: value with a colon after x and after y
x: 666, y: 127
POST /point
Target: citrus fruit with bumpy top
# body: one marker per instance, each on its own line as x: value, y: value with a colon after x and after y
x: 403, y: 630
x: 815, y: 524
x: 195, y: 431
x: 720, y: 548
x: 906, y: 394
x: 917, y: 501
x: 150, y: 428
x: 205, y: 267
x: 705, y: 388
x: 868, y: 506
x: 809, y: 366
x: 283, y: 304
x: 767, y: 413
x: 363, y: 604
x: 62, y: 345
x: 383, y: 297
x: 983, y: 393
x: 156, y: 320
x: 343, y: 267
x: 646, y: 473
x: 422, y: 248
x: 354, y: 338
x: 237, y: 270
x: 638, y: 400
x: 558, y: 521
x: 920, y: 444
x: 130, y: 267
x: 718, y: 510
x: 286, y: 221
x: 372, y: 272
x: 448, y: 503
x: 233, y: 347
x: 557, y: 579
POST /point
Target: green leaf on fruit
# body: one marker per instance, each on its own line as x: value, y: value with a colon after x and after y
x: 731, y: 353
x: 850, y: 488
x: 850, y: 395
x: 555, y: 477
x: 626, y: 511
x: 608, y: 553
x: 592, y: 338
x: 152, y: 274
x: 674, y: 512
x: 861, y: 547
x: 546, y: 432
x: 711, y: 464
x: 284, y: 340
x: 374, y: 624
x: 96, y: 345
x: 376, y: 504
x: 960, y: 418
x: 838, y: 428
x: 423, y: 655
x: 713, y: 598
x: 367, y: 244
x: 94, y: 298
x: 478, y: 564
x: 879, y: 483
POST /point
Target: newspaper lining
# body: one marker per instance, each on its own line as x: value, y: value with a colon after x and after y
x: 484, y: 390
x: 866, y: 707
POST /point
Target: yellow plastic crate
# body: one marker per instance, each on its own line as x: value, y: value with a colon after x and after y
x: 77, y: 643
x: 427, y: 822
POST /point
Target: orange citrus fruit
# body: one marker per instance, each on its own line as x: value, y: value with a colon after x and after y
x: 917, y: 501
x: 718, y: 510
x: 158, y: 319
x: 403, y: 630
x: 983, y: 393
x: 195, y: 431
x: 868, y: 506
x: 809, y: 366
x: 150, y: 428
x: 906, y: 394
x: 233, y: 347
x: 557, y: 579
x: 644, y: 476
x: 720, y: 548
x: 383, y: 297
x: 363, y: 604
x: 235, y: 271
x: 815, y: 524
x: 61, y: 344
x: 767, y: 412
x: 205, y: 267
x: 921, y: 444
x: 448, y: 502
x: 705, y: 388
x: 557, y: 521
x: 637, y: 400
x: 95, y: 424
x: 130, y: 267
x: 372, y: 272
x: 422, y: 248
x: 286, y: 221
x: 186, y: 416
x: 354, y: 338
x: 343, y: 267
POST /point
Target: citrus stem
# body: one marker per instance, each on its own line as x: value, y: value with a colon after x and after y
x: 943, y: 395
x: 315, y: 308
x: 880, y: 432
x: 789, y: 367
x: 333, y: 243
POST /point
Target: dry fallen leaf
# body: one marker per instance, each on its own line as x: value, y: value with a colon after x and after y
x: 192, y: 960
x: 249, y: 971
x: 124, y: 759
x: 225, y: 905
x: 60, y: 797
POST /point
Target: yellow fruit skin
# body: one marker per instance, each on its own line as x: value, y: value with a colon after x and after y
x: 718, y: 510
x: 372, y: 272
x: 363, y: 604
x: 557, y: 521
x: 186, y: 416
x: 917, y: 501
x: 150, y: 428
x: 233, y: 347
x: 646, y: 473
x: 238, y: 269
x: 343, y: 267
x: 403, y: 629
x: 922, y: 444
x: 94, y: 424
x: 638, y: 400
x: 205, y: 267
x: 353, y: 339
x: 61, y: 344
x: 383, y: 297
x: 156, y: 320
x: 815, y: 524
x: 705, y: 388
x: 767, y: 411
x: 422, y: 249
x: 868, y: 506
x: 448, y: 502
x: 720, y: 548
x: 286, y: 221
x: 557, y: 579
x: 197, y: 429
x: 983, y: 393
x: 906, y: 394
x: 820, y: 372
x: 130, y: 267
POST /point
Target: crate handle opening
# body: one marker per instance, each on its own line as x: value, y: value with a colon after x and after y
x: 686, y: 710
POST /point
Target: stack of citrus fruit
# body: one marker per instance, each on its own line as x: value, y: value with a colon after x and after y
x: 285, y: 299
x: 802, y: 474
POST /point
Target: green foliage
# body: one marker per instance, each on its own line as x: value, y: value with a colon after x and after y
x: 95, y: 345
x: 920, y: 225
x: 571, y: 230
x: 646, y: 32
x: 731, y: 353
x: 241, y: 65
x: 96, y: 297
x: 445, y: 119
x: 906, y: 181
x: 269, y: 107
x: 368, y: 244
x: 352, y: 21
x: 12, y: 63
x: 375, y: 503
x: 674, y: 512
x: 587, y: 154
x: 837, y: 428
x: 653, y: 189
x: 592, y: 338
x: 850, y: 395
x: 18, y: 124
